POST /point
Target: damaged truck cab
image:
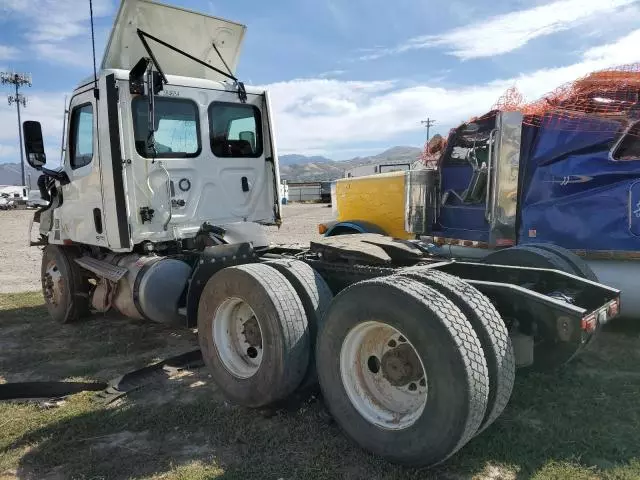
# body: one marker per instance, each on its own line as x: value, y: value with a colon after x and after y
x: 518, y: 191
x: 208, y: 156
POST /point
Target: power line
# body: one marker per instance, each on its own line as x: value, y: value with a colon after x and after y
x: 428, y: 123
x: 18, y: 80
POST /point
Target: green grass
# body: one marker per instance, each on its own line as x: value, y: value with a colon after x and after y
x: 582, y: 422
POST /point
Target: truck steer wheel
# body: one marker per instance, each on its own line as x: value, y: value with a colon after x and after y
x: 402, y: 371
x: 64, y: 289
x: 253, y: 334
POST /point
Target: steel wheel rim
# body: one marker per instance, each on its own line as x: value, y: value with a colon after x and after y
x: 237, y: 336
x: 383, y: 375
x: 53, y: 284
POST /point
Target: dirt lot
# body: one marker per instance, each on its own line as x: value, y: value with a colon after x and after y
x: 20, y: 264
x: 581, y: 422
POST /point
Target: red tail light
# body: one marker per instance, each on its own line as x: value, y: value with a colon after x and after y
x: 589, y: 323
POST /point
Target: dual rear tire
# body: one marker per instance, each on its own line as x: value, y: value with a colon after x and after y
x: 409, y: 370
x: 257, y: 326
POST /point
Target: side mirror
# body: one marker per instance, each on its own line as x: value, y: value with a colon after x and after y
x: 33, y: 144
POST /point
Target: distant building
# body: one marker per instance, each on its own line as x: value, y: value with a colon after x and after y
x: 309, y: 192
x: 373, y: 168
x: 14, y: 192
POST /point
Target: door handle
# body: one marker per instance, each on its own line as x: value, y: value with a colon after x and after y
x: 245, y: 184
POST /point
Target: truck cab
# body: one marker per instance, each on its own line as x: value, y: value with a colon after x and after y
x: 157, y: 144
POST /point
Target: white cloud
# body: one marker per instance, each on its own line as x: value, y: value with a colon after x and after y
x: 312, y: 114
x: 9, y: 151
x: 505, y: 33
x: 55, y: 20
x: 69, y: 55
x: 7, y: 52
x: 322, y: 115
x: 52, y: 28
x: 332, y: 73
x: 48, y: 109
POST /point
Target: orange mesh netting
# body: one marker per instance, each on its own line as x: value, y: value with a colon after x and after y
x: 603, y: 101
x: 600, y: 101
x: 432, y: 150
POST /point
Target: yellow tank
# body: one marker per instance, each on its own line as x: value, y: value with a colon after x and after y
x: 377, y: 199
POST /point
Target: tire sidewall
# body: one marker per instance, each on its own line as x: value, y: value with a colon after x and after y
x: 63, y: 312
x: 265, y: 385
x: 438, y: 430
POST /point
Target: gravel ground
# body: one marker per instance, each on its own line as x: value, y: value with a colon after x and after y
x: 20, y: 264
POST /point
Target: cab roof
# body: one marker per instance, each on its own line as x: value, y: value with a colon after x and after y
x: 123, y: 75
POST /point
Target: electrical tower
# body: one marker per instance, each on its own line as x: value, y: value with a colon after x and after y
x: 18, y: 80
x: 428, y: 123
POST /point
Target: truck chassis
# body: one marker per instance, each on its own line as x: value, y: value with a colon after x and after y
x: 415, y: 354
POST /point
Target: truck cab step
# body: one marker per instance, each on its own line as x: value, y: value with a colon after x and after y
x: 102, y: 269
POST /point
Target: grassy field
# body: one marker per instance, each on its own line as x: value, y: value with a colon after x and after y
x: 582, y: 422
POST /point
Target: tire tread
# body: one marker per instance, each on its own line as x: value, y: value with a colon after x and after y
x: 491, y: 331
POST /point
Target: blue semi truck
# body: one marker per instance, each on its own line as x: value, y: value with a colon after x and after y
x: 508, y: 189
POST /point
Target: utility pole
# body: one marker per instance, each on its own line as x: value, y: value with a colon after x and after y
x: 18, y: 80
x: 428, y: 123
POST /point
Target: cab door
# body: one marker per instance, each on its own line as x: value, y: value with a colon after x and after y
x: 80, y: 216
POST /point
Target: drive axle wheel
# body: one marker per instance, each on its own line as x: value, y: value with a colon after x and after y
x: 391, y: 391
x: 316, y: 297
x: 253, y: 334
x: 65, y: 290
x: 488, y: 325
x: 401, y: 370
x: 236, y: 332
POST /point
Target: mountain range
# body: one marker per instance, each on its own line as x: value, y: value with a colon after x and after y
x: 297, y: 168
x: 10, y: 174
x: 293, y: 167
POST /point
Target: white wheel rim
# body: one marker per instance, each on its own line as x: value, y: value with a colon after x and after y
x: 383, y: 375
x: 238, y: 337
x: 53, y: 284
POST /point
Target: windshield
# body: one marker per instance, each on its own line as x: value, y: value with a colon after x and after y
x: 177, y: 127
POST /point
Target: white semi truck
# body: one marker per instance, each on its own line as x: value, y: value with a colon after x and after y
x: 170, y: 172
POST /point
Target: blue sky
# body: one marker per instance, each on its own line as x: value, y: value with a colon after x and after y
x: 347, y: 77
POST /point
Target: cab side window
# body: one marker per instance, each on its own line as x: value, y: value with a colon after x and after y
x: 81, y: 136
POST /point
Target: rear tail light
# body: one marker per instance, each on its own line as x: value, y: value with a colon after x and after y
x: 589, y: 323
x: 614, y: 309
